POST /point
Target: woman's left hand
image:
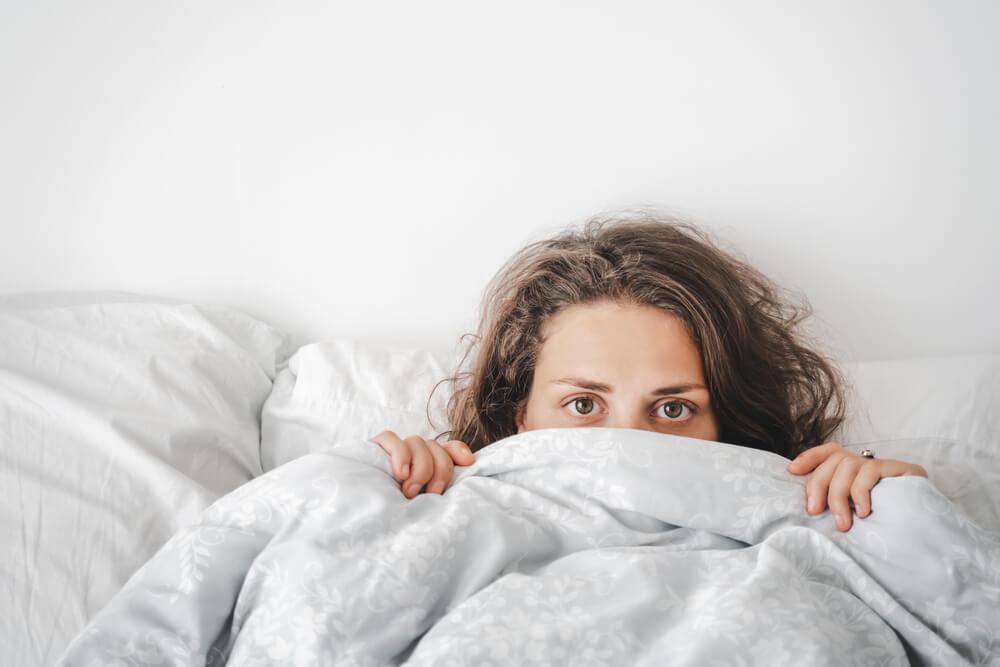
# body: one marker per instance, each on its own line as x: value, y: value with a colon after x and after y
x: 841, y: 475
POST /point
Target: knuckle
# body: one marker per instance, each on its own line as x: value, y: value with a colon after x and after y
x: 443, y: 458
x: 868, y: 471
x: 871, y: 474
x: 423, y: 467
x: 853, y: 462
x: 420, y: 457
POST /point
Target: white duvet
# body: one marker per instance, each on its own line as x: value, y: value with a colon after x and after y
x: 559, y: 546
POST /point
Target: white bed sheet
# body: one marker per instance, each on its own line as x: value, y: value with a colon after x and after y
x: 121, y: 418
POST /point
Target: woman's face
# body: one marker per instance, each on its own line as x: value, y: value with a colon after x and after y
x: 618, y: 366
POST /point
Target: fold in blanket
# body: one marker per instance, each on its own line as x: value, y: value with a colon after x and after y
x: 559, y: 546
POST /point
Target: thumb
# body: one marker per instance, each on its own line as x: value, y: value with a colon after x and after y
x: 801, y: 462
x: 808, y: 460
x: 459, y: 452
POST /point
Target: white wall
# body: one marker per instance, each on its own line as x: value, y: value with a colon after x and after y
x: 362, y: 169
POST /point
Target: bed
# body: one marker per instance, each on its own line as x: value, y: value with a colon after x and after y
x: 181, y: 483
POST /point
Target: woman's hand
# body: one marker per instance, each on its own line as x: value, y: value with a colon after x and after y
x: 846, y: 476
x: 417, y: 460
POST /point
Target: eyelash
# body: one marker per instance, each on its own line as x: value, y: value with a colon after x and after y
x: 691, y: 408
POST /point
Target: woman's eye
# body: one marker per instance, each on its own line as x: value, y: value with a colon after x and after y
x: 678, y: 411
x: 675, y: 410
x: 589, y: 402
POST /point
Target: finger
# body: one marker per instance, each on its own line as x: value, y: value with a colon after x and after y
x: 894, y: 468
x: 423, y: 466
x: 840, y: 491
x: 818, y: 484
x: 867, y: 478
x: 398, y: 452
x: 443, y: 467
x: 459, y: 452
x: 812, y: 457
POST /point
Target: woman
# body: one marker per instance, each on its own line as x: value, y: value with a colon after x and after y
x: 644, y: 322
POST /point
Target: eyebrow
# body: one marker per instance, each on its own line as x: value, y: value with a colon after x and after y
x: 583, y: 383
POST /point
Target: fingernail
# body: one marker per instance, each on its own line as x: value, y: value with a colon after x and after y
x: 411, y: 488
x: 841, y: 521
x: 813, y: 504
x: 437, y: 486
x: 406, y: 470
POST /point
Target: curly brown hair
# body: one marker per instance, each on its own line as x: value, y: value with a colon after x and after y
x: 769, y: 388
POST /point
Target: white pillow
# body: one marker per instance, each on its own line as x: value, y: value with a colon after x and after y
x: 121, y: 418
x: 353, y: 388
x: 953, y: 398
x: 943, y: 414
x: 343, y: 389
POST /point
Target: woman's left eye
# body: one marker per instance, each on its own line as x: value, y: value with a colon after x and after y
x: 585, y: 400
x: 677, y: 414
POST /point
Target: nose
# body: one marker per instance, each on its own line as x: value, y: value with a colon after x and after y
x: 631, y: 420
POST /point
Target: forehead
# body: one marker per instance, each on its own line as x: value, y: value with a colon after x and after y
x: 609, y: 337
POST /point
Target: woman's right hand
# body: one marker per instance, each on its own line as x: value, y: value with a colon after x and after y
x: 417, y: 461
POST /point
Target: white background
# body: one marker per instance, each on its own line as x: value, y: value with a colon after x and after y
x: 361, y: 170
